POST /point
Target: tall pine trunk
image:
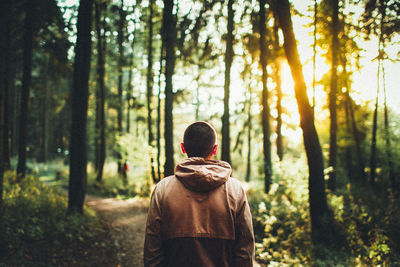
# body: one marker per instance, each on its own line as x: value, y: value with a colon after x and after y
x: 353, y: 129
x: 333, y: 96
x: 26, y: 84
x: 44, y: 111
x: 149, y: 83
x: 80, y: 93
x: 169, y: 39
x: 278, y: 88
x: 249, y: 129
x: 375, y: 118
x: 321, y: 218
x: 129, y: 87
x: 159, y: 114
x: 5, y: 79
x: 121, y: 26
x: 392, y: 176
x: 100, y: 92
x: 226, y: 139
x: 265, y: 112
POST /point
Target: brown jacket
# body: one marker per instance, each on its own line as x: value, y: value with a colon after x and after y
x: 199, y: 217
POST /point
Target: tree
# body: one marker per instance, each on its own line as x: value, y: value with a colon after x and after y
x: 100, y: 142
x: 121, y: 57
x: 26, y: 84
x: 265, y: 113
x: 159, y: 114
x: 5, y: 49
x: 149, y: 84
x: 79, y: 99
x: 249, y: 129
x: 381, y: 18
x: 321, y: 217
x: 169, y: 40
x: 226, y: 140
x: 332, y: 95
x: 278, y: 89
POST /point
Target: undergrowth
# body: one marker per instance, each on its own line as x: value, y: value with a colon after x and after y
x: 36, y: 230
x: 368, y: 219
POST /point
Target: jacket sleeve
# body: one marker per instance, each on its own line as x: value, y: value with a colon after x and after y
x: 243, y: 250
x: 153, y: 252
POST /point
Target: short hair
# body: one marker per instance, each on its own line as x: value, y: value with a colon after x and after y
x: 199, y: 139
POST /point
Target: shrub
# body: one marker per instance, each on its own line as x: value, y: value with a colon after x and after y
x: 37, y: 231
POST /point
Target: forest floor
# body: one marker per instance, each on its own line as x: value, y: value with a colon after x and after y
x: 126, y: 220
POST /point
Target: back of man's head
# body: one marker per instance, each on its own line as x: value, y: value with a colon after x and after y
x: 199, y: 139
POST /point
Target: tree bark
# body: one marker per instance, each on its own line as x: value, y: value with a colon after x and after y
x: 26, y: 84
x: 249, y: 128
x: 278, y: 81
x: 333, y: 96
x: 265, y: 112
x: 392, y: 175
x: 159, y: 114
x: 80, y: 93
x: 44, y: 111
x: 130, y: 89
x: 149, y: 84
x: 169, y: 40
x: 375, y: 120
x: 226, y: 139
x: 354, y: 130
x: 321, y: 218
x: 121, y: 25
x: 5, y: 80
x: 100, y: 92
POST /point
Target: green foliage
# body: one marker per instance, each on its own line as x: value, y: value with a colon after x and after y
x: 281, y: 221
x: 37, y: 231
x: 367, y: 221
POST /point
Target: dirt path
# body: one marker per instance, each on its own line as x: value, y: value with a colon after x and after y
x: 127, y: 219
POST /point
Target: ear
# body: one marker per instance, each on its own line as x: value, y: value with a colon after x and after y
x: 183, y: 148
x: 214, y: 151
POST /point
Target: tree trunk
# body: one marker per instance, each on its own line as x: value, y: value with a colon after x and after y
x: 354, y: 130
x: 130, y: 89
x: 5, y: 17
x: 100, y: 92
x: 226, y: 139
x: 80, y: 93
x: 44, y: 111
x: 332, y: 96
x: 159, y: 114
x: 349, y: 161
x: 249, y: 128
x: 6, y: 79
x: 321, y: 218
x: 169, y: 39
x: 121, y: 25
x: 149, y: 84
x: 392, y: 176
x: 26, y: 84
x: 278, y: 81
x: 375, y: 120
x: 265, y: 112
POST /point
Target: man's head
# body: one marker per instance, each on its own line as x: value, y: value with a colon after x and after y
x: 199, y: 140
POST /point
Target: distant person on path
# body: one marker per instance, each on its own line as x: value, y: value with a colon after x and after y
x: 199, y: 216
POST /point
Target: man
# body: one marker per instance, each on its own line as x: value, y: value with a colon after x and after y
x: 199, y: 216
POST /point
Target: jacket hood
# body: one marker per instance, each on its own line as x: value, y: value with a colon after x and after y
x: 202, y: 175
